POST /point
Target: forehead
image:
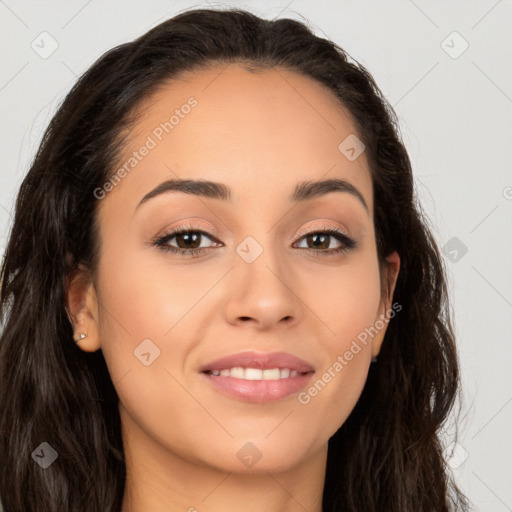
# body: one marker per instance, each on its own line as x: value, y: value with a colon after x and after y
x: 260, y: 132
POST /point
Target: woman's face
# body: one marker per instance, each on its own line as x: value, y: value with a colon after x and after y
x: 267, y: 277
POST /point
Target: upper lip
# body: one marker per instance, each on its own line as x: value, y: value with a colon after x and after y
x: 259, y: 360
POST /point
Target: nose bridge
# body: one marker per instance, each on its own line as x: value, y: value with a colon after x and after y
x: 262, y: 290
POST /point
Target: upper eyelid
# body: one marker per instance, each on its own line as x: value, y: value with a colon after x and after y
x: 200, y: 225
x: 322, y: 228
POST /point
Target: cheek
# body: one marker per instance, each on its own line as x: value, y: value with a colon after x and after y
x: 346, y: 299
x: 148, y: 297
x: 348, y: 309
x: 150, y: 307
x: 144, y: 309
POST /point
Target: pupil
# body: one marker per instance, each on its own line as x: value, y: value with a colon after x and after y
x: 195, y: 238
x: 316, y: 237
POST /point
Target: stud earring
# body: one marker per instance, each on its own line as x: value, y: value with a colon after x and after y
x: 80, y: 337
x: 374, y: 359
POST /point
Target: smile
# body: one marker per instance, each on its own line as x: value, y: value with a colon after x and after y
x: 255, y: 373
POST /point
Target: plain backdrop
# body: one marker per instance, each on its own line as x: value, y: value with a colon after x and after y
x: 446, y: 67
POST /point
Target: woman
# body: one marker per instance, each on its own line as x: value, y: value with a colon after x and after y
x: 220, y: 291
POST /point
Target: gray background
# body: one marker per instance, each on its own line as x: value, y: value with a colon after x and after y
x: 455, y: 110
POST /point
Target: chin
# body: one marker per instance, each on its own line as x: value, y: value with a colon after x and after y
x: 258, y: 455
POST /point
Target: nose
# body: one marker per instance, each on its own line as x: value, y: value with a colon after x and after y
x: 261, y: 293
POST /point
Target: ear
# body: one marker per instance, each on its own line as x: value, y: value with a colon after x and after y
x: 82, y: 309
x: 389, y: 276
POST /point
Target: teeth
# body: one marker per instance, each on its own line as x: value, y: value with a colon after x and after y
x: 237, y: 372
x: 255, y: 373
x: 272, y: 374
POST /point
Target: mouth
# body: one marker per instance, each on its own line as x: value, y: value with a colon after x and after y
x: 258, y: 378
x: 238, y: 372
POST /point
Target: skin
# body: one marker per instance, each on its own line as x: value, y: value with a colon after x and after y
x: 260, y: 134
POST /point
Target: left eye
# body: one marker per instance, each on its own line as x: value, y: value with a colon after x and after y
x: 319, y: 240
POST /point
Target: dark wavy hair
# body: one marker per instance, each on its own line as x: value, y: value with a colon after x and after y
x: 388, y: 454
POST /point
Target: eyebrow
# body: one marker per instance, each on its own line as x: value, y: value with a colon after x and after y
x: 213, y: 190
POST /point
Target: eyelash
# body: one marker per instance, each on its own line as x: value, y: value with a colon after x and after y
x: 162, y: 241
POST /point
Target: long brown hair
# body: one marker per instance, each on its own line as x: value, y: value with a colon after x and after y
x: 387, y: 456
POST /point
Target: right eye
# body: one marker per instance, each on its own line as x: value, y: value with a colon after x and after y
x: 187, y: 237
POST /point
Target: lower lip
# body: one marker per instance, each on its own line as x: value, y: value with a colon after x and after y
x: 259, y: 391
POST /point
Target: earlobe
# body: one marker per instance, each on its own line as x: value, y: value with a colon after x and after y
x: 82, y: 310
